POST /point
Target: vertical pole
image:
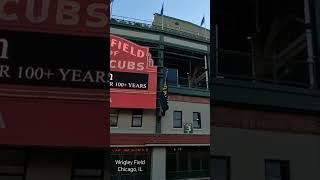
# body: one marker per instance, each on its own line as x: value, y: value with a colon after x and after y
x: 253, y: 63
x: 206, y: 68
x: 159, y: 84
x: 217, y: 50
x: 310, y: 59
x: 162, y: 22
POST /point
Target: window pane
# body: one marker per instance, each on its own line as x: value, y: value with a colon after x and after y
x: 177, y: 119
x: 196, y: 120
x: 136, y: 122
x: 220, y: 168
x: 12, y: 164
x: 114, y: 117
x: 113, y: 121
x: 177, y: 115
x: 88, y: 165
x: 195, y: 115
x: 273, y: 170
x: 137, y: 118
x: 177, y: 124
x: 277, y: 170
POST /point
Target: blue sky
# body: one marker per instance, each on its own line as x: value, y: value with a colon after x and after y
x: 188, y: 10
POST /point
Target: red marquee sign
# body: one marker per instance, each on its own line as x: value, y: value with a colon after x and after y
x: 133, y: 76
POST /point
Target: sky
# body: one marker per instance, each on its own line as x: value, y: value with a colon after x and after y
x: 188, y: 10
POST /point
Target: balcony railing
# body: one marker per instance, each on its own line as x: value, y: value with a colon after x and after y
x: 241, y: 65
x: 165, y: 28
x: 186, y: 83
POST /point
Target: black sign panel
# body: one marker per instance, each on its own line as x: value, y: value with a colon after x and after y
x: 126, y: 80
x: 53, y: 60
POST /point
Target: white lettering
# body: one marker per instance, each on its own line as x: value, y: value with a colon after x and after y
x: 101, y: 16
x: 64, y: 73
x: 88, y: 76
x: 76, y: 75
x: 101, y: 76
x: 125, y: 47
x: 71, y: 12
x: 4, y: 71
x: 30, y: 11
x: 129, y: 65
x: 4, y: 49
x: 140, y: 54
x: 3, y: 14
x: 140, y: 66
x: 112, y: 64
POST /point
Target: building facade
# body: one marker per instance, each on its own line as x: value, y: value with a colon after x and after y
x: 265, y: 94
x: 52, y: 123
x: 174, y: 145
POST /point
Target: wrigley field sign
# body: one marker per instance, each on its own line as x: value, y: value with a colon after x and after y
x: 133, y: 76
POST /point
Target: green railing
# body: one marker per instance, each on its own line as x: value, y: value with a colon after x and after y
x: 187, y: 83
x: 271, y: 70
x: 165, y: 28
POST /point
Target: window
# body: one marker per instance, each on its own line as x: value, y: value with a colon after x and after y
x: 221, y: 168
x: 196, y: 120
x: 137, y: 118
x: 114, y: 114
x: 277, y: 170
x: 177, y: 119
x: 187, y: 162
x: 88, y: 165
x: 12, y: 164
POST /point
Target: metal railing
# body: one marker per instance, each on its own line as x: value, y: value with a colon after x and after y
x: 166, y: 27
x: 241, y: 65
x: 186, y: 83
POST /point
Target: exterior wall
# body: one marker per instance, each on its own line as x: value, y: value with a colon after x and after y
x: 251, y: 136
x: 136, y: 34
x: 158, y: 161
x: 49, y: 165
x: 249, y: 118
x: 252, y: 147
x: 187, y: 109
x: 186, y: 43
x: 125, y: 121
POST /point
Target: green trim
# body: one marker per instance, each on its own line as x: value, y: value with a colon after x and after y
x: 159, y: 84
x: 138, y: 39
x: 168, y: 43
x: 157, y: 32
x: 185, y: 48
x: 238, y: 91
x: 180, y: 47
